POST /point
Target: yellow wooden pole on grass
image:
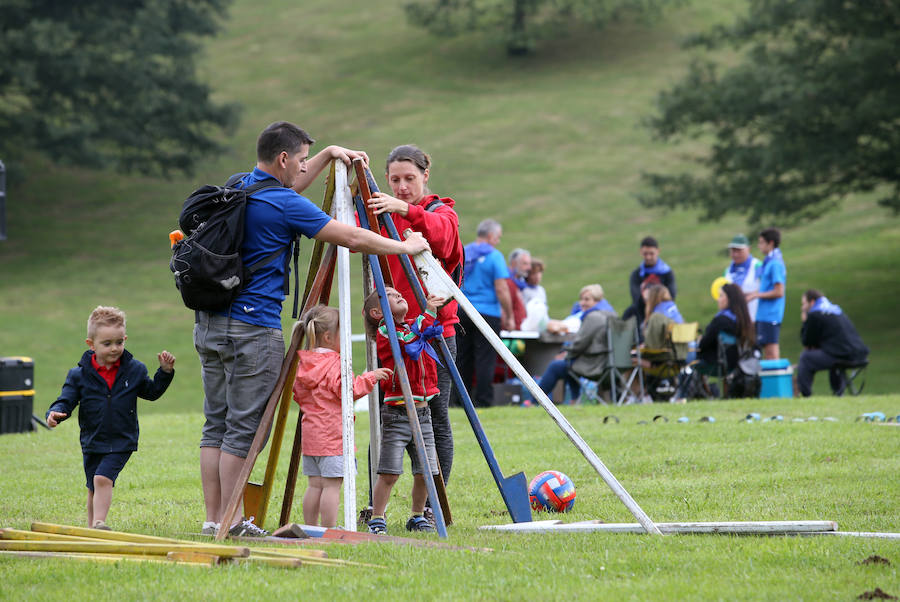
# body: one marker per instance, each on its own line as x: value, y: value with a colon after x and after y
x: 52, y: 531
x: 110, y: 558
x: 115, y: 547
x: 19, y: 534
x: 101, y: 534
x: 288, y: 553
x: 194, y: 557
x: 66, y: 540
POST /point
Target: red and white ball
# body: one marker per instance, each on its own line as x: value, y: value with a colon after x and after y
x: 551, y: 491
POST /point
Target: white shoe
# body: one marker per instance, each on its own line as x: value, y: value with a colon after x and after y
x: 209, y: 528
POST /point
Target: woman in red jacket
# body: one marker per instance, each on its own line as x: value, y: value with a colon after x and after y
x: 414, y: 206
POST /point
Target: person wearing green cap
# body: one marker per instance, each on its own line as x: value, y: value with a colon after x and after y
x: 744, y: 269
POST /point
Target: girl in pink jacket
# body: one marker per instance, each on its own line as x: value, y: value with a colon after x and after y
x: 317, y: 388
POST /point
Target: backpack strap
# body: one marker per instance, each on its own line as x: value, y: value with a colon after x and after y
x: 434, y: 204
x: 262, y: 184
x: 233, y: 180
x: 457, y: 273
x: 250, y: 190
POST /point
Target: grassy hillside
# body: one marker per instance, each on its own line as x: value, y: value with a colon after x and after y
x: 550, y: 145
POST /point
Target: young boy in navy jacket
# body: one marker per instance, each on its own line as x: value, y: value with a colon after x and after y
x: 107, y: 382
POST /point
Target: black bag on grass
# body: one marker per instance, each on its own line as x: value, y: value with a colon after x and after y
x: 745, y: 380
x: 207, y: 262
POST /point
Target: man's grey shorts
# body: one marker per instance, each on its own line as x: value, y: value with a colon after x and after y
x: 240, y: 369
x: 396, y: 436
x: 331, y: 467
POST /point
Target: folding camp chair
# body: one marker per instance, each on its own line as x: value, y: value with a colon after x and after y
x: 667, y: 363
x: 621, y: 337
x: 853, y: 377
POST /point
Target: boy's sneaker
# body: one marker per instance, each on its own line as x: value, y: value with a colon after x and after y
x: 99, y: 524
x: 209, y: 528
x: 377, y: 526
x: 246, y: 528
x: 419, y: 523
x: 429, y: 515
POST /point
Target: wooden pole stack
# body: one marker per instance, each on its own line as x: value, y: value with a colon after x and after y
x: 47, y: 540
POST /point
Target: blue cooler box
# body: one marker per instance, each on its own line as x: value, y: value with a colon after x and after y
x: 777, y: 378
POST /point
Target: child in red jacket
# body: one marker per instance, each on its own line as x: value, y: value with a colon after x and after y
x: 396, y: 432
x: 317, y: 389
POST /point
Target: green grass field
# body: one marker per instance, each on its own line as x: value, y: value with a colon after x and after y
x: 553, y: 147
x: 843, y: 471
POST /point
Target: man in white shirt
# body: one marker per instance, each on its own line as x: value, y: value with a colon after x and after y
x: 744, y: 269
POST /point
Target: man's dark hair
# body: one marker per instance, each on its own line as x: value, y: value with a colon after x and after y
x: 772, y: 235
x: 649, y: 241
x: 813, y: 295
x: 280, y: 136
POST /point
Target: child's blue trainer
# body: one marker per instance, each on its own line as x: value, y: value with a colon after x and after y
x: 377, y: 526
x: 419, y: 523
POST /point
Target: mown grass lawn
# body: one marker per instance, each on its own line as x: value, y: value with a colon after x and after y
x: 553, y: 147
x: 841, y: 470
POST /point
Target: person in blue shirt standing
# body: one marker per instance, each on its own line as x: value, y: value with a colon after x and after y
x: 652, y: 270
x: 485, y: 286
x: 772, y: 285
x: 241, y: 351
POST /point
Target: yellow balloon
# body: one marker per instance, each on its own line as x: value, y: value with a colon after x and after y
x: 716, y: 287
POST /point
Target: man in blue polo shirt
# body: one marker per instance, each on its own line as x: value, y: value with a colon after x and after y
x: 485, y: 286
x: 241, y: 353
x: 772, y: 283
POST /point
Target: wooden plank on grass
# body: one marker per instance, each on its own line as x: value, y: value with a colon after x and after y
x: 537, y: 525
x: 869, y: 534
x: 733, y: 527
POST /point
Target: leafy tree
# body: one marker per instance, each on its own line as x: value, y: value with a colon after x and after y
x: 810, y: 112
x: 523, y: 22
x: 100, y: 83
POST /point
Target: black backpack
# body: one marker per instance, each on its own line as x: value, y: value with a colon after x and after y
x: 207, y: 263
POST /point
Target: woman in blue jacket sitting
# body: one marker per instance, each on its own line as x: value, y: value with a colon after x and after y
x: 733, y: 318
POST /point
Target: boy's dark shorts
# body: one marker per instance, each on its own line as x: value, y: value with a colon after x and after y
x: 105, y: 465
x: 396, y: 436
x: 767, y: 332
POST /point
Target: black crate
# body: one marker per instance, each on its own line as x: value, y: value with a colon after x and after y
x: 15, y: 413
x: 507, y: 394
x: 16, y: 374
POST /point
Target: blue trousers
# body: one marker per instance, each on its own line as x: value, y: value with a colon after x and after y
x: 556, y: 371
